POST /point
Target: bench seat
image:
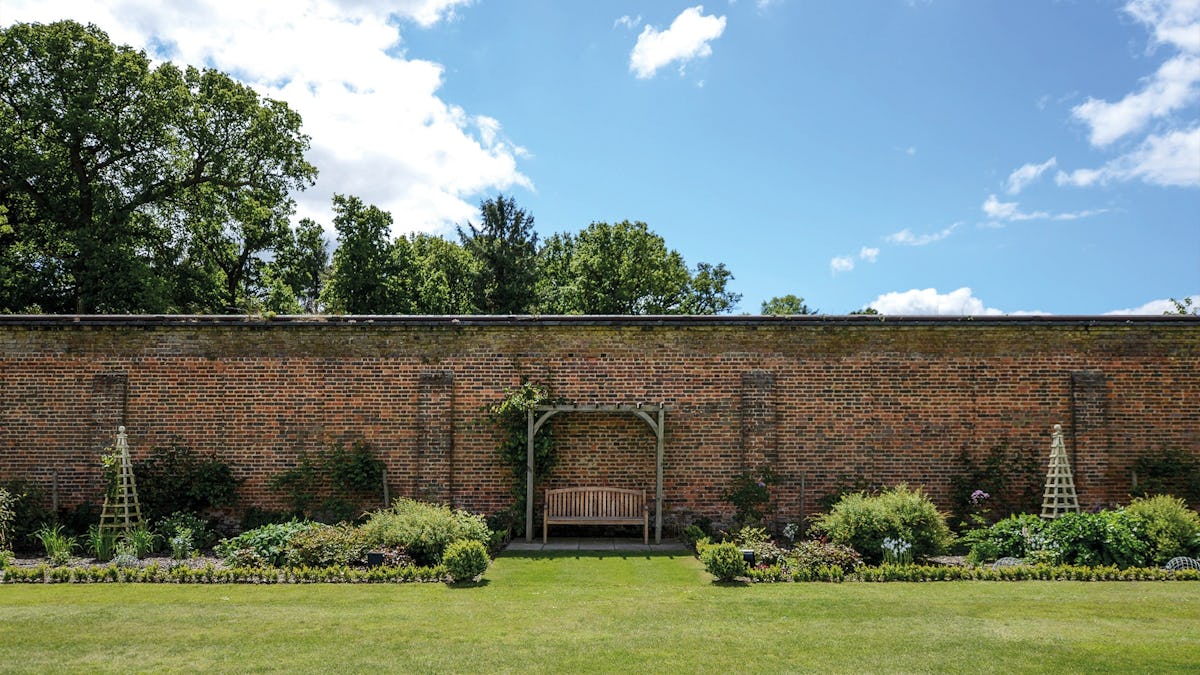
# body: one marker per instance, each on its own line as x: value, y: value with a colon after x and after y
x: 595, y: 506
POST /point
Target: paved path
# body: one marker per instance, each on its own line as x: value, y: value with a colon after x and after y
x: 595, y: 544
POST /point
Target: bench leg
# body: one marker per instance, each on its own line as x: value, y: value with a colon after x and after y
x: 545, y: 527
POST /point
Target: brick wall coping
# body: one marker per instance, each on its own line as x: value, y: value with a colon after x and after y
x: 308, y: 321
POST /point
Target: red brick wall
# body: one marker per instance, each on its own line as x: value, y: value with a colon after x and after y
x: 818, y: 399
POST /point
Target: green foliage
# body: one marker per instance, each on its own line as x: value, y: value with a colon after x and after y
x: 7, y: 515
x: 141, y: 540
x: 363, y: 262
x: 1147, y: 532
x: 750, y: 494
x: 504, y: 248
x: 199, y: 534
x: 1104, y: 538
x: 693, y: 534
x: 266, y: 544
x: 423, y: 530
x: 325, y: 545
x: 1168, y: 527
x: 328, y: 487
x: 465, y: 560
x: 1012, y: 479
x: 1016, y: 536
x: 57, y: 543
x: 787, y: 305
x: 101, y: 542
x: 724, y: 561
x: 625, y: 268
x: 6, y: 558
x: 182, y: 543
x: 813, y: 555
x: 302, y: 262
x: 176, y: 478
x: 863, y: 522
x: 1170, y: 471
x: 103, y: 158
x: 1184, y: 307
x: 510, y: 417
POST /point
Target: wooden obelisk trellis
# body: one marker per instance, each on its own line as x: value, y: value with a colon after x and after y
x: 1059, y: 497
x: 122, y: 512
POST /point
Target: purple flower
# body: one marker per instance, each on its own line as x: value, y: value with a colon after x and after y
x: 978, y: 496
x: 761, y: 484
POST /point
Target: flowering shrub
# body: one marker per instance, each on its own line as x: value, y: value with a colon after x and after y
x: 863, y: 522
x: 1168, y: 527
x: 811, y: 555
x: 324, y: 546
x: 423, y: 530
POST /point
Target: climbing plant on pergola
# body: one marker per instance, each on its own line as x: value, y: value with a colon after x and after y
x: 653, y: 415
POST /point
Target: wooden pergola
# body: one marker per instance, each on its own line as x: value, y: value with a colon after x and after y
x: 652, y: 415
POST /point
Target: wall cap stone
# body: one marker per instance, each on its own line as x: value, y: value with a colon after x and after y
x: 310, y: 321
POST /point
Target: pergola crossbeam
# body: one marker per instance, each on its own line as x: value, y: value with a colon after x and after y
x: 652, y: 414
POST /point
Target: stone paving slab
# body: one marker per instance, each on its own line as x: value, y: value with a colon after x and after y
x: 595, y: 544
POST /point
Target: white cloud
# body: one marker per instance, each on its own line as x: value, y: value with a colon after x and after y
x: 1174, y: 86
x: 1170, y: 154
x: 628, y: 22
x: 1171, y: 159
x: 928, y: 301
x: 1154, y: 307
x: 842, y: 263
x: 687, y: 39
x: 1174, y: 22
x: 379, y: 128
x: 906, y: 237
x: 868, y: 254
x: 1017, y: 180
x: 1011, y: 211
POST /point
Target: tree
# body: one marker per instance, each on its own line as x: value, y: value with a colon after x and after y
x: 504, y: 247
x: 363, y: 262
x: 870, y: 311
x: 708, y: 294
x: 98, y: 149
x: 787, y: 305
x: 444, y: 272
x: 302, y: 262
x: 625, y: 268
x: 1183, y: 307
x: 234, y: 236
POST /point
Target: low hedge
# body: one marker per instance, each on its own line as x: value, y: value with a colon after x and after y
x: 922, y: 573
x: 211, y: 574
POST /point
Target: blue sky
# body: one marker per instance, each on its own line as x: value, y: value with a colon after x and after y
x: 921, y: 156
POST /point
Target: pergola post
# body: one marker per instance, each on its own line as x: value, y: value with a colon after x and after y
x: 529, y: 432
x: 658, y: 469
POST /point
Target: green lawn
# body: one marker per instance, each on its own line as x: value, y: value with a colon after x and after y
x: 592, y: 611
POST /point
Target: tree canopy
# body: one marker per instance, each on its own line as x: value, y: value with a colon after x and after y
x: 108, y: 166
x: 786, y: 305
x: 625, y: 268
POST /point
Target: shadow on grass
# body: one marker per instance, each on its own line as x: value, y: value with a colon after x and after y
x: 467, y: 585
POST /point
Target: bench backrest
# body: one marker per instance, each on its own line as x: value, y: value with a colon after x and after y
x: 596, y: 502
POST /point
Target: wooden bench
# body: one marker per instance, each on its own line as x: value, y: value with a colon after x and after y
x: 596, y: 506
